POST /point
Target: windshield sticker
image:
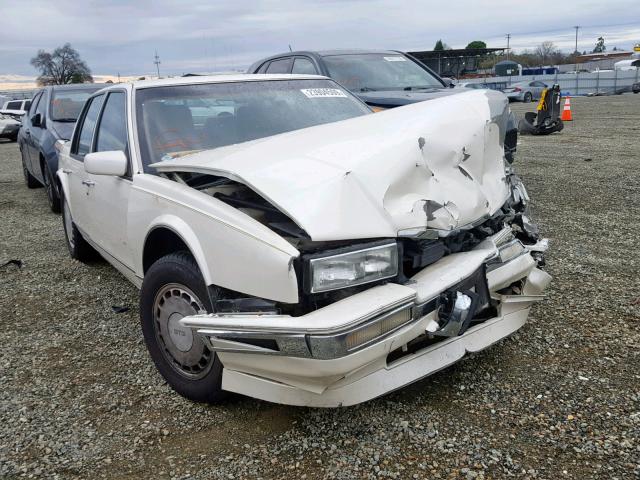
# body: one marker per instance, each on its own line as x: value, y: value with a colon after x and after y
x: 323, y: 92
x: 395, y: 59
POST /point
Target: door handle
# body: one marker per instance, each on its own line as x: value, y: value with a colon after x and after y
x: 27, y: 132
x: 88, y: 183
x: 68, y: 172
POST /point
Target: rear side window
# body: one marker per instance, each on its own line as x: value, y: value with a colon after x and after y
x: 14, y: 106
x: 112, y: 131
x: 279, y: 66
x: 304, y: 66
x: 27, y: 104
x: 85, y: 136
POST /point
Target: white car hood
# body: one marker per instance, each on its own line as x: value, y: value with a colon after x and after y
x: 437, y: 165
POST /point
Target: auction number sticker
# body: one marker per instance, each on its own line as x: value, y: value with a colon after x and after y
x: 395, y: 59
x: 323, y: 92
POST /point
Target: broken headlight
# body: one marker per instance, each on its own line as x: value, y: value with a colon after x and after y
x: 350, y: 268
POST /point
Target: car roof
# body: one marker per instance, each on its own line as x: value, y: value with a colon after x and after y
x: 240, y: 77
x: 328, y: 53
x: 77, y: 86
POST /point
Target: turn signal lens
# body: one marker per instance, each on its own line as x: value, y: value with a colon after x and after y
x: 377, y: 329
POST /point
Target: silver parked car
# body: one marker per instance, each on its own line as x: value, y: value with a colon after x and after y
x: 525, y: 91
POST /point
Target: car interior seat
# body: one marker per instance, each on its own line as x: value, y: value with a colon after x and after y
x: 169, y: 129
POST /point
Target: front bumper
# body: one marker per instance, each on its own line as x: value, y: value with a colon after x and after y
x: 308, y: 360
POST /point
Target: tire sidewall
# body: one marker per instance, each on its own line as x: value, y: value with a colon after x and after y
x: 50, y: 187
x: 67, y: 235
x: 177, y: 268
x: 528, y: 98
x: 25, y: 170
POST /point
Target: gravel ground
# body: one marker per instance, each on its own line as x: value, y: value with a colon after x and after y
x: 80, y: 398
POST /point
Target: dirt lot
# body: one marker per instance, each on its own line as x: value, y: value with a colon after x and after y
x: 80, y: 398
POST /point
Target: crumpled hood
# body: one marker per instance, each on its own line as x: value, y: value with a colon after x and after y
x: 437, y: 165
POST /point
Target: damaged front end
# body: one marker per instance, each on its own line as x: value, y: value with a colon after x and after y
x: 404, y: 265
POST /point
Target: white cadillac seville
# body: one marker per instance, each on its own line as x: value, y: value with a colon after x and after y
x: 293, y: 246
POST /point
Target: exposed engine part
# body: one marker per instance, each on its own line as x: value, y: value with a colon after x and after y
x: 244, y: 199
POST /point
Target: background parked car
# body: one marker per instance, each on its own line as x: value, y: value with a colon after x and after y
x: 500, y: 86
x: 381, y: 78
x: 51, y: 117
x: 9, y: 127
x: 16, y: 108
x: 525, y: 91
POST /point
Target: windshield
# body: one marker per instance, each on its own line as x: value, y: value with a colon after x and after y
x: 379, y: 71
x: 66, y: 104
x: 177, y: 120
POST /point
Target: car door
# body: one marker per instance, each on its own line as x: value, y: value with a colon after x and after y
x: 37, y: 135
x: 79, y: 184
x: 107, y: 198
x: 537, y: 89
x: 27, y: 132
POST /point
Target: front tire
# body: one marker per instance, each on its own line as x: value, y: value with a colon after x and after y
x: 528, y: 98
x: 78, y: 247
x: 173, y: 288
x: 50, y: 187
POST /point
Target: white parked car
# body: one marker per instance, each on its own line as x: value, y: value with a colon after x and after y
x: 16, y: 108
x: 296, y: 248
x: 525, y: 91
x: 9, y: 127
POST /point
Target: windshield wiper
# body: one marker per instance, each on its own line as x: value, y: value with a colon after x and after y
x: 367, y: 89
x: 64, y: 120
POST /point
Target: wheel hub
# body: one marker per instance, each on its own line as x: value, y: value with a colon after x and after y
x: 187, y: 354
x: 181, y: 336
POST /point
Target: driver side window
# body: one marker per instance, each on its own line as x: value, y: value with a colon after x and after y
x: 34, y: 105
x: 84, y: 136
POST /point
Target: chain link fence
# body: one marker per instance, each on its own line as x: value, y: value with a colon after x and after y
x: 593, y: 83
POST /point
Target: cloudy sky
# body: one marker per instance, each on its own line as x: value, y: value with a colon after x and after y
x: 212, y: 35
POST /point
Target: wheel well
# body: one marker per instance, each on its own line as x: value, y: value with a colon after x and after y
x: 160, y: 242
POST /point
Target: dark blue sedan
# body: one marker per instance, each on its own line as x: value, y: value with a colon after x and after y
x: 52, y: 116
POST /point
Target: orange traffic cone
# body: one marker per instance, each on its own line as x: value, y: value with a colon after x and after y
x: 566, y: 113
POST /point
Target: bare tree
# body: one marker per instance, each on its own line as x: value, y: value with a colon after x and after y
x: 546, y: 52
x: 62, y: 66
x: 600, y: 46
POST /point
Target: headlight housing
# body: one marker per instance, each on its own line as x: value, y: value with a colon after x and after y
x: 350, y: 267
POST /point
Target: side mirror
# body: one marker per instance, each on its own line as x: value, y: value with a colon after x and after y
x: 113, y: 163
x: 36, y: 120
x: 448, y: 82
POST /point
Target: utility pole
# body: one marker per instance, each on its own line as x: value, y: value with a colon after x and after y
x: 575, y: 53
x: 156, y: 60
x: 508, y: 38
